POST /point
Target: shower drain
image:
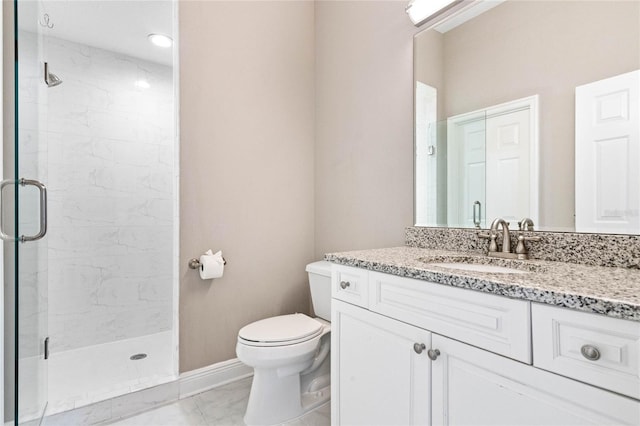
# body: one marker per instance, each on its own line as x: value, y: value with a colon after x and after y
x: 137, y: 357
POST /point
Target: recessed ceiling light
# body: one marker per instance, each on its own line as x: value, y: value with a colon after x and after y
x: 143, y: 84
x: 160, y: 40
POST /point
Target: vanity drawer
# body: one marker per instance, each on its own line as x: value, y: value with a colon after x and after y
x: 350, y: 285
x: 596, y: 349
x: 495, y: 323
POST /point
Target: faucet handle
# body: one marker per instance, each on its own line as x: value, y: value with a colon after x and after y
x: 493, y: 246
x: 521, y: 249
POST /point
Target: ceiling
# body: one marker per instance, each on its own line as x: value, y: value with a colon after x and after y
x: 120, y: 26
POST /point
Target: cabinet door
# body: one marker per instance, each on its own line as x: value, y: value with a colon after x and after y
x: 475, y: 387
x: 377, y: 376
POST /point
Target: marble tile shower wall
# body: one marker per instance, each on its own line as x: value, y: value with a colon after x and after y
x: 33, y: 256
x: 109, y: 147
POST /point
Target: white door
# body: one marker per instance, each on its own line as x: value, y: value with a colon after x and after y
x: 377, y: 378
x: 607, y: 152
x: 509, y: 165
x: 476, y: 387
x: 465, y: 169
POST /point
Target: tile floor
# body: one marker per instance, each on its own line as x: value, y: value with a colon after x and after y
x: 223, y: 406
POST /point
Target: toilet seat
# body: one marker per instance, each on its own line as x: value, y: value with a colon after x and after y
x: 280, y: 331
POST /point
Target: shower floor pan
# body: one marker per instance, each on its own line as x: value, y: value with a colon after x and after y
x: 87, y: 375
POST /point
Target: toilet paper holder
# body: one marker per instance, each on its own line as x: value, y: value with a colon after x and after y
x: 195, y: 263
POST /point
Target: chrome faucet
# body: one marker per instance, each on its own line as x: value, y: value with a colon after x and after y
x: 526, y: 222
x: 506, y: 236
x: 505, y: 252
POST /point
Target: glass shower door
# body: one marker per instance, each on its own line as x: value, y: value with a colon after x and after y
x: 95, y: 107
x: 24, y: 190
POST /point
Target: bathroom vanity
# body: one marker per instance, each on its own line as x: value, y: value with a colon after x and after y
x: 478, y: 342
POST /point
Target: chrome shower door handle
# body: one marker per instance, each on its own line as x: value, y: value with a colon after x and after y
x: 477, y: 219
x: 42, y: 191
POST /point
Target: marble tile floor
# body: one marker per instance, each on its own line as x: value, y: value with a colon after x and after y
x: 222, y: 406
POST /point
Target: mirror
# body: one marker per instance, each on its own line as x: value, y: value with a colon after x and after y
x: 549, y: 52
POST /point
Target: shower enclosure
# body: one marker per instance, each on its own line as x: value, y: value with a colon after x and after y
x: 92, y: 304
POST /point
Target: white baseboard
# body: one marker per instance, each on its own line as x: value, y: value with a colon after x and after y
x: 211, y: 376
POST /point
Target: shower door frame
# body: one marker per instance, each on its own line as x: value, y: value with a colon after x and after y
x: 2, y: 245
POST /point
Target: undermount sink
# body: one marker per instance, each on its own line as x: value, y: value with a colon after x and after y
x: 490, y: 265
x: 480, y: 268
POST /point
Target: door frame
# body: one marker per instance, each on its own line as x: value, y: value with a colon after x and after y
x: 2, y: 29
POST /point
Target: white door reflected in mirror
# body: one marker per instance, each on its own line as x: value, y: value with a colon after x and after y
x: 607, y: 155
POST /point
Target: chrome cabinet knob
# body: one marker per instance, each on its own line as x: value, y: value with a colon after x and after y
x: 590, y: 352
x: 344, y: 284
x: 419, y: 347
x: 433, y: 354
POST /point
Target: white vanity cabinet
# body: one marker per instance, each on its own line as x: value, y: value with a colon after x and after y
x: 475, y: 368
x: 471, y: 386
x: 381, y: 378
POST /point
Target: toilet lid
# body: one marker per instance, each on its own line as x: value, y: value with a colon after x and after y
x: 281, y: 330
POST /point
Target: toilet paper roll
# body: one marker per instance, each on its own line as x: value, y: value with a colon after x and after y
x: 211, y: 265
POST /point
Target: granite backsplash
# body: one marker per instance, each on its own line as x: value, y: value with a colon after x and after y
x: 609, y: 250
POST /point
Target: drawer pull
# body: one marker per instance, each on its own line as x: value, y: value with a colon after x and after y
x: 344, y: 284
x: 433, y: 354
x: 419, y: 347
x: 590, y: 352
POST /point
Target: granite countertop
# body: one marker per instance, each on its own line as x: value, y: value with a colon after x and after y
x: 614, y: 292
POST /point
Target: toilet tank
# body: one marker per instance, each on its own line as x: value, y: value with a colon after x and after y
x: 320, y: 285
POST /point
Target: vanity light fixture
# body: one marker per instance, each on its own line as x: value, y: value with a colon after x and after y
x: 433, y: 11
x: 160, y: 40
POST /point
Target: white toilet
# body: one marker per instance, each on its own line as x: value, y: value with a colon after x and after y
x: 290, y: 357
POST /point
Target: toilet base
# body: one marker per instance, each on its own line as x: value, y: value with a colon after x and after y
x: 280, y: 392
x: 291, y: 405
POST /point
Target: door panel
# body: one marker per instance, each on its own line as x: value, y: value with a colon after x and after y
x: 607, y: 147
x: 29, y: 157
x: 508, y: 166
x: 466, y: 169
x: 387, y: 381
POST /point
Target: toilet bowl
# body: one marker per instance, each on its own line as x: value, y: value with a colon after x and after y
x: 290, y: 355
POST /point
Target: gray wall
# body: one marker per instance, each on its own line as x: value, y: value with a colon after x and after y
x: 296, y: 139
x: 364, y: 125
x: 255, y: 78
x: 246, y: 124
